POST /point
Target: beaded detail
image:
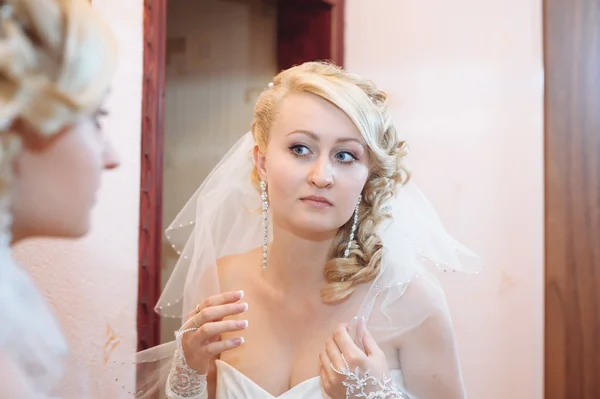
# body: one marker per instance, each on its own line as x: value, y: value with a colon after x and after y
x: 367, y: 386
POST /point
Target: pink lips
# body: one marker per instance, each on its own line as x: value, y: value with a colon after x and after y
x: 317, y: 201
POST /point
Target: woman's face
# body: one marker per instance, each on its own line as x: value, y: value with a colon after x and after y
x: 57, y: 179
x: 315, y: 166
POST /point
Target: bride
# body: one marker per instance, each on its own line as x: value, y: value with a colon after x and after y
x: 303, y: 258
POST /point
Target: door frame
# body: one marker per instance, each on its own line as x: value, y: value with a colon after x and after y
x: 572, y: 198
x: 151, y: 172
x: 152, y: 141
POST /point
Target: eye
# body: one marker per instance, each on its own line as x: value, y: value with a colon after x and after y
x: 346, y: 157
x: 299, y: 150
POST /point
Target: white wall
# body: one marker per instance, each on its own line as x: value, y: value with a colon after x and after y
x: 92, y: 283
x: 466, y: 85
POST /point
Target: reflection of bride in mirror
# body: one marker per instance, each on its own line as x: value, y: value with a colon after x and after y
x: 303, y: 254
x: 57, y: 60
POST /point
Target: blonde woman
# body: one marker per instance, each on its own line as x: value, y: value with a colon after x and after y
x: 302, y: 270
x: 57, y: 60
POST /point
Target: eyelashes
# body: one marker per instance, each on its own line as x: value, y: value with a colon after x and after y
x: 343, y: 157
x: 298, y: 150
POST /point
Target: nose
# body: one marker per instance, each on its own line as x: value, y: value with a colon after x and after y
x: 321, y: 173
x: 111, y: 158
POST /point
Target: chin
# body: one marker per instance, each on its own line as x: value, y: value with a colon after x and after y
x: 313, y: 229
x: 79, y: 234
x: 82, y: 231
x: 67, y: 234
x: 77, y: 230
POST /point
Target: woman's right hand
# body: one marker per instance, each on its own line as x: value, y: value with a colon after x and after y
x: 200, y: 346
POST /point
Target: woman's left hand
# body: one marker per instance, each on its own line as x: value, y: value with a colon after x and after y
x: 341, y: 357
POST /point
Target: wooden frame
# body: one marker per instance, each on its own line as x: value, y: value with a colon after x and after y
x: 338, y: 13
x: 572, y: 198
x: 319, y: 14
x: 321, y: 21
x: 150, y: 228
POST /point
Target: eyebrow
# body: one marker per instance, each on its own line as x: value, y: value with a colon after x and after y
x: 316, y: 137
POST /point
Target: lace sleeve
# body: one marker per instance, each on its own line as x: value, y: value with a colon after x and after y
x: 365, y: 385
x: 183, y: 381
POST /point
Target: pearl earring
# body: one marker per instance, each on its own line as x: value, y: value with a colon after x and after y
x: 354, y: 226
x: 265, y: 209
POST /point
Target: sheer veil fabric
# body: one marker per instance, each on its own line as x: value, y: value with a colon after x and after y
x: 405, y: 305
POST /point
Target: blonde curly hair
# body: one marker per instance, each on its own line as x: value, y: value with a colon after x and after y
x: 57, y: 59
x: 367, y: 107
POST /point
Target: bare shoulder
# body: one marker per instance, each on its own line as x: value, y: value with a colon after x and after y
x: 425, y: 301
x: 236, y: 271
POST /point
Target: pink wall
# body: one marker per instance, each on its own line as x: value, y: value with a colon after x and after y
x: 92, y: 283
x: 466, y: 84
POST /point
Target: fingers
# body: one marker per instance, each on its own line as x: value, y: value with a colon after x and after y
x: 353, y: 354
x: 205, y: 326
x: 322, y: 373
x: 334, y: 355
x: 324, y: 367
x: 222, y: 299
x: 216, y: 348
x: 210, y: 330
x: 359, y: 332
x: 369, y: 343
x: 219, y: 312
x: 215, y: 300
x: 324, y: 359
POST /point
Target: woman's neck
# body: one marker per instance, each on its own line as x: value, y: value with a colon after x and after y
x: 296, y: 264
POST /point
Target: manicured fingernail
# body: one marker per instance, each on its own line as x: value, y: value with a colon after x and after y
x: 241, y: 294
x: 238, y: 341
x: 245, y: 306
x: 242, y: 324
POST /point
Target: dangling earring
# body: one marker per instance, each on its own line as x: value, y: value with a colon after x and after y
x: 265, y: 209
x: 354, y: 226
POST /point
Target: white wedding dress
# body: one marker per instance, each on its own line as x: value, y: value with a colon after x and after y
x: 415, y: 335
x: 232, y: 384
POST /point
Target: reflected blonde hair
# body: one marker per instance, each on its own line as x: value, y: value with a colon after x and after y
x: 367, y: 108
x: 57, y: 60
